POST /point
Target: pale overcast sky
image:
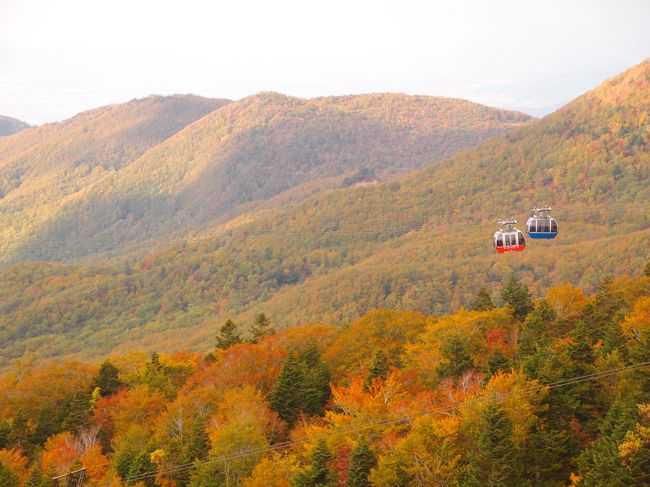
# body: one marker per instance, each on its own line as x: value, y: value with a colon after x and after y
x: 60, y: 57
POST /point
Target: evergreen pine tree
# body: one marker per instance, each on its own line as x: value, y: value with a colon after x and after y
x: 497, y: 362
x: 316, y: 382
x: 483, y: 301
x: 107, y: 380
x: 534, y: 332
x: 228, y: 335
x: 640, y: 353
x: 198, y: 443
x: 154, y: 362
x: 646, y: 269
x: 5, y: 429
x: 318, y: 473
x: 600, y: 464
x: 141, y: 464
x: 7, y: 477
x: 546, y: 455
x: 76, y: 412
x: 379, y: 367
x: 287, y: 395
x: 614, y: 339
x: 458, y: 360
x: 262, y: 327
x: 38, y: 479
x: 494, y: 462
x: 605, y: 310
x: 517, y: 295
x: 155, y: 375
x: 19, y: 435
x: 362, y: 460
x: 310, y: 357
x: 580, y: 350
x: 316, y: 389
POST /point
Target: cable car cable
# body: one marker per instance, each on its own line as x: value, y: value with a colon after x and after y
x: 450, y: 408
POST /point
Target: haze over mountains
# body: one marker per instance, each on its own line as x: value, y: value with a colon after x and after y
x: 161, y: 166
x: 420, y: 241
x: 10, y: 125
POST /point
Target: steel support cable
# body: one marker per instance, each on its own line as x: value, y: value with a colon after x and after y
x: 403, y: 419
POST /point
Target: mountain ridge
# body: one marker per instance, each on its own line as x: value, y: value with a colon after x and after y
x: 421, y: 241
x: 10, y: 125
x: 249, y: 151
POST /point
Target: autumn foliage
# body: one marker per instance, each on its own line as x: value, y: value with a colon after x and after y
x: 554, y: 398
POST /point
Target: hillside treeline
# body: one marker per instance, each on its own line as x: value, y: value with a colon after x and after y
x: 512, y: 392
x: 420, y: 242
x: 150, y: 169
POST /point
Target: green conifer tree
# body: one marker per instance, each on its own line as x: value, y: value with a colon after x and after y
x: 316, y: 382
x: 316, y: 389
x: 107, y: 379
x: 605, y: 310
x: 5, y: 429
x: 154, y: 362
x: 318, y: 473
x: 287, y: 395
x: 494, y: 460
x: 516, y: 294
x: 600, y: 464
x: 483, y: 301
x: 639, y: 351
x: 458, y: 360
x: 19, y: 435
x: 546, y: 455
x: 155, y: 375
x: 497, y: 362
x: 76, y: 412
x: 534, y: 331
x: 38, y: 479
x: 379, y: 367
x: 262, y: 327
x: 362, y: 460
x: 581, y: 350
x: 228, y: 335
x: 7, y: 477
x: 646, y: 269
x: 141, y: 464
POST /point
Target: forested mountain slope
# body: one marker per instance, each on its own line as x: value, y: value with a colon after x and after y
x: 10, y: 125
x: 549, y: 393
x: 43, y: 167
x: 420, y: 242
x: 254, y: 149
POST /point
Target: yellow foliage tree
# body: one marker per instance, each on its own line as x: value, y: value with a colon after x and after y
x: 566, y: 300
x: 519, y: 397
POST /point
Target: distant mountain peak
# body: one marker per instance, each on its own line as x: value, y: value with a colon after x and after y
x: 159, y: 165
x: 9, y: 125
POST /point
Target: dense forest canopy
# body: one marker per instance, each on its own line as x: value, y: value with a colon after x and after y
x: 157, y: 167
x: 515, y: 392
x: 419, y: 242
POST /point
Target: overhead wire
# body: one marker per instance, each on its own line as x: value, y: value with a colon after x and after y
x: 403, y: 419
x: 579, y: 70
